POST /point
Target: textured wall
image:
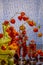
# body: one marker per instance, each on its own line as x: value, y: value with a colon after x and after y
x: 33, y: 9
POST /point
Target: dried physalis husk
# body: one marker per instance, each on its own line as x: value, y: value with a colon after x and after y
x: 22, y: 27
x: 31, y: 22
x: 39, y: 34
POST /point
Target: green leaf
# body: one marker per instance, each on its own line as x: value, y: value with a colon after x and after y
x: 39, y: 26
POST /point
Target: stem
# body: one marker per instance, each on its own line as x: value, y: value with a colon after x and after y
x: 14, y: 15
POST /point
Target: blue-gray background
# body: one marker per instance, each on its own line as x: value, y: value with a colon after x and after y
x: 33, y: 9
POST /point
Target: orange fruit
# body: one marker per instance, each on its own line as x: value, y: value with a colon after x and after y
x: 22, y: 13
x: 35, y: 29
x: 36, y: 54
x: 32, y: 41
x: 8, y: 30
x: 6, y: 22
x: 12, y: 21
x: 41, y: 54
x: 39, y: 51
x: 31, y: 23
x: 1, y: 35
x: 16, y: 38
x: 24, y: 32
x: 25, y: 18
x: 20, y: 18
x: 3, y: 47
